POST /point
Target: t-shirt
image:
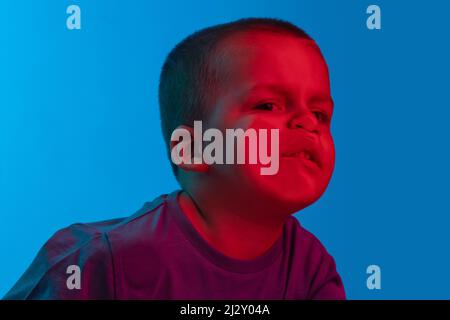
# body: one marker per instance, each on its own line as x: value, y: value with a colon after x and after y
x: 156, y: 253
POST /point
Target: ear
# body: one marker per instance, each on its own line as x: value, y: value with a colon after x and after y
x: 181, y: 147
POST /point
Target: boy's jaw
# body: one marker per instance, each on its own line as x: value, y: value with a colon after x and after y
x: 304, y: 173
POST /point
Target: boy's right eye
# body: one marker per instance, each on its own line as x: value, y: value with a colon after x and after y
x: 266, y: 106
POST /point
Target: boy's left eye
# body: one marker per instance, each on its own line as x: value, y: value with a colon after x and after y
x: 322, y: 117
x: 267, y: 106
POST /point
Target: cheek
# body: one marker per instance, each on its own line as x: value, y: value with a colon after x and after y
x: 253, y: 123
x: 233, y: 120
x: 292, y: 184
x: 267, y: 122
x: 248, y: 173
x: 328, y: 152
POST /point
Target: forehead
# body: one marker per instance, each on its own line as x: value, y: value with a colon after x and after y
x: 249, y: 59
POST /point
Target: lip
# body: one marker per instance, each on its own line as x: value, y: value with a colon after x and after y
x: 309, y: 156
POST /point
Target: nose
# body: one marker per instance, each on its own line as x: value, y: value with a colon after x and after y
x: 304, y: 121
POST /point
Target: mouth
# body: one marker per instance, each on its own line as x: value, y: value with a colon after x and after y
x: 304, y: 155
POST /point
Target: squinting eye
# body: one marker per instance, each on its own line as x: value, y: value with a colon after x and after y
x: 322, y: 117
x: 265, y: 106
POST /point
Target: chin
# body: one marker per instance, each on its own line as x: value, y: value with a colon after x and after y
x: 295, y: 199
x: 287, y: 192
x: 289, y: 195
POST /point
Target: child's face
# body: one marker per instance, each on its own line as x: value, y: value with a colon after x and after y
x: 274, y: 81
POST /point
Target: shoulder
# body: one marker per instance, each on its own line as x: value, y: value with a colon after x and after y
x: 89, y: 247
x: 106, y: 237
x: 319, y: 267
x: 77, y: 250
x: 304, y: 239
x: 307, y: 246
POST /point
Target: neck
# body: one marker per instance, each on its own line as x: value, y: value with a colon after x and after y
x: 242, y: 233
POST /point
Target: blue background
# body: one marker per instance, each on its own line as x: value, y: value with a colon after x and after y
x: 80, y: 138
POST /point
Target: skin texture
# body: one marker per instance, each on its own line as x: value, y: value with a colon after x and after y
x: 270, y: 80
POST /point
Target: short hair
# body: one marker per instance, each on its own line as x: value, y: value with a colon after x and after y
x: 188, y: 81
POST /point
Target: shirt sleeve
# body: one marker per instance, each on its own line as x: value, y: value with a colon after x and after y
x: 75, y: 263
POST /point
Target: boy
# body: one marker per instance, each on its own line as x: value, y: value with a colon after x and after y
x: 229, y: 233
